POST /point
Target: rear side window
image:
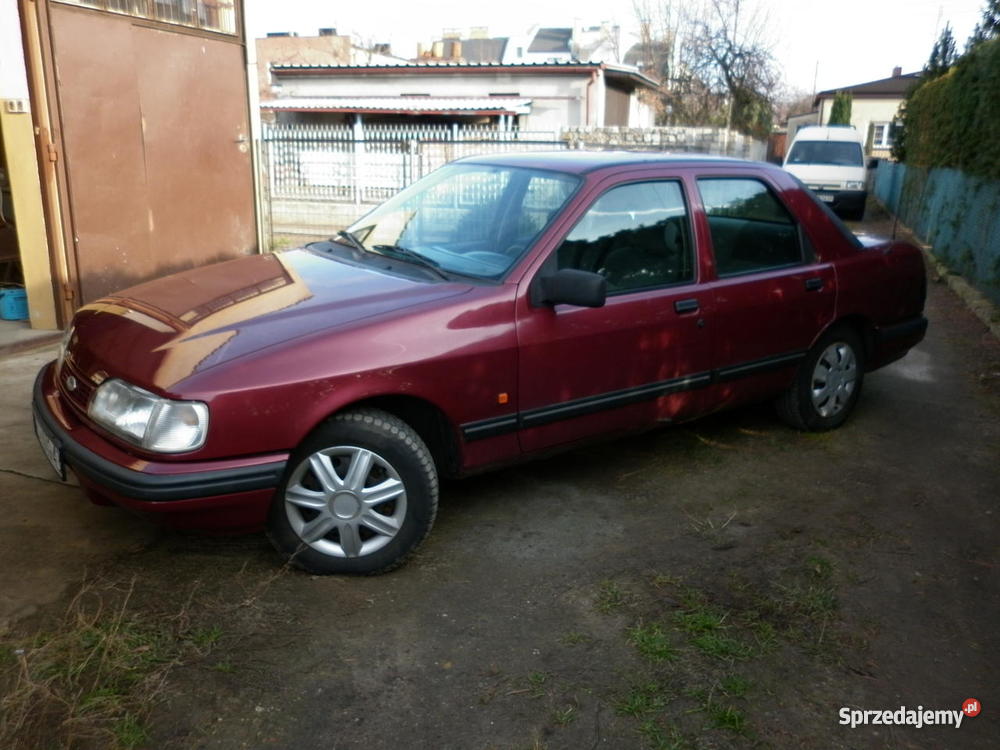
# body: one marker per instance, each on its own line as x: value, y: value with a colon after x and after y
x: 637, y: 236
x: 751, y: 230
x: 833, y: 153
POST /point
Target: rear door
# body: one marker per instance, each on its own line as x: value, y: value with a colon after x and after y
x: 640, y: 358
x: 771, y: 294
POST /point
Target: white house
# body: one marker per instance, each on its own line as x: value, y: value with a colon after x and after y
x: 874, y: 107
x: 545, y: 96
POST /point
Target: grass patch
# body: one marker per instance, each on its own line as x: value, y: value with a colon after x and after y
x: 563, y: 717
x: 702, y: 620
x: 611, y: 597
x: 735, y: 686
x: 129, y: 731
x: 720, y: 646
x: 708, y: 526
x: 641, y: 700
x: 705, y: 627
x: 573, y: 638
x: 206, y: 637
x: 729, y: 718
x: 536, y: 684
x: 660, y: 739
x: 661, y: 580
x: 92, y: 678
x: 653, y: 642
x: 819, y: 567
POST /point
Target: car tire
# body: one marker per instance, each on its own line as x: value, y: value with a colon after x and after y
x: 827, y: 384
x: 359, y: 495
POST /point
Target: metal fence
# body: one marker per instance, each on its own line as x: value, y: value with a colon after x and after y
x: 958, y: 214
x: 320, y: 178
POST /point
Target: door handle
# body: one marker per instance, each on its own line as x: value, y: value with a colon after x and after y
x: 682, y: 306
x: 814, y: 285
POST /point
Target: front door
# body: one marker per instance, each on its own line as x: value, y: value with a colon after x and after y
x: 640, y: 358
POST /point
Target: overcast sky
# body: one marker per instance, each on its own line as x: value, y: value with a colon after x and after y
x: 851, y: 41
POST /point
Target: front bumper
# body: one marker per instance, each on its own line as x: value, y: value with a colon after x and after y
x: 231, y: 494
x: 848, y: 202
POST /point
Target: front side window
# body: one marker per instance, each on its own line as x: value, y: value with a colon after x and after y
x: 751, y: 230
x: 637, y: 236
x: 831, y: 153
x: 471, y: 219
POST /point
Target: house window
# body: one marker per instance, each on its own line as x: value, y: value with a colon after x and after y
x: 882, y: 135
x: 210, y: 15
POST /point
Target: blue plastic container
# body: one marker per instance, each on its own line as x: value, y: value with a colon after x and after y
x: 13, y: 304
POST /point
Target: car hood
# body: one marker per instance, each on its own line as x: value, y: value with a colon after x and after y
x: 159, y: 333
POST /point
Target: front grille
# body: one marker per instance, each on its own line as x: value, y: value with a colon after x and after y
x: 78, y: 397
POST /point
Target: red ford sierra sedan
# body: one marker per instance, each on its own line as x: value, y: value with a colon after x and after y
x: 500, y: 308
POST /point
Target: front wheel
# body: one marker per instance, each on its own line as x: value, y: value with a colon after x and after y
x: 827, y: 384
x: 359, y: 496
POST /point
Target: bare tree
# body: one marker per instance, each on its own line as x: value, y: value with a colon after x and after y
x: 714, y: 59
x: 733, y: 59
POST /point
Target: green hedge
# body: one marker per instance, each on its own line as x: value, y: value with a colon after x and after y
x: 954, y: 121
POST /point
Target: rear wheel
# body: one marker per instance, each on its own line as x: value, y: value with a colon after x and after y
x: 827, y: 384
x: 360, y: 495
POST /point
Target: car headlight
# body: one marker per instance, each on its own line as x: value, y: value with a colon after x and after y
x: 853, y: 185
x: 156, y: 424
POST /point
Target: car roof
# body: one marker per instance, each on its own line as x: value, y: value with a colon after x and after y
x: 581, y: 162
x: 828, y: 133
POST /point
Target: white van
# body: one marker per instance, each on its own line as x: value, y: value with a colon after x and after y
x: 830, y: 160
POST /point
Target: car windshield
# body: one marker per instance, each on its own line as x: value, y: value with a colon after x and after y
x: 471, y: 219
x: 836, y: 153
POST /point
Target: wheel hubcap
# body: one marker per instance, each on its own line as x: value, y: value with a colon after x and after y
x: 345, y: 505
x: 345, y: 501
x: 834, y: 379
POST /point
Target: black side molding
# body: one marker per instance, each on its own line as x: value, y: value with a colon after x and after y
x: 487, y: 428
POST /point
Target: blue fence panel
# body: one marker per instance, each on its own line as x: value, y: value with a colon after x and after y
x: 957, y: 214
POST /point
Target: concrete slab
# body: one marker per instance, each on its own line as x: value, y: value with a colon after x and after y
x: 18, y: 336
x: 49, y: 532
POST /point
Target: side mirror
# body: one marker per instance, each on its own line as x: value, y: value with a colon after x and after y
x: 571, y: 286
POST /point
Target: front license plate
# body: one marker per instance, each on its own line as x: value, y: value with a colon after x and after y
x: 826, y: 198
x: 51, y: 449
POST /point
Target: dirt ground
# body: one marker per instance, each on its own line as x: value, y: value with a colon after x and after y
x: 729, y: 583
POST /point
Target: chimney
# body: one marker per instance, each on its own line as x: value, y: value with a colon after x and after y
x: 897, y: 72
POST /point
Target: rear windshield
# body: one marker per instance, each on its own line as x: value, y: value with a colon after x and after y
x: 836, y: 153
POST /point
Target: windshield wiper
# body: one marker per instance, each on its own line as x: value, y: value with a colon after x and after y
x: 414, y: 257
x: 352, y: 240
